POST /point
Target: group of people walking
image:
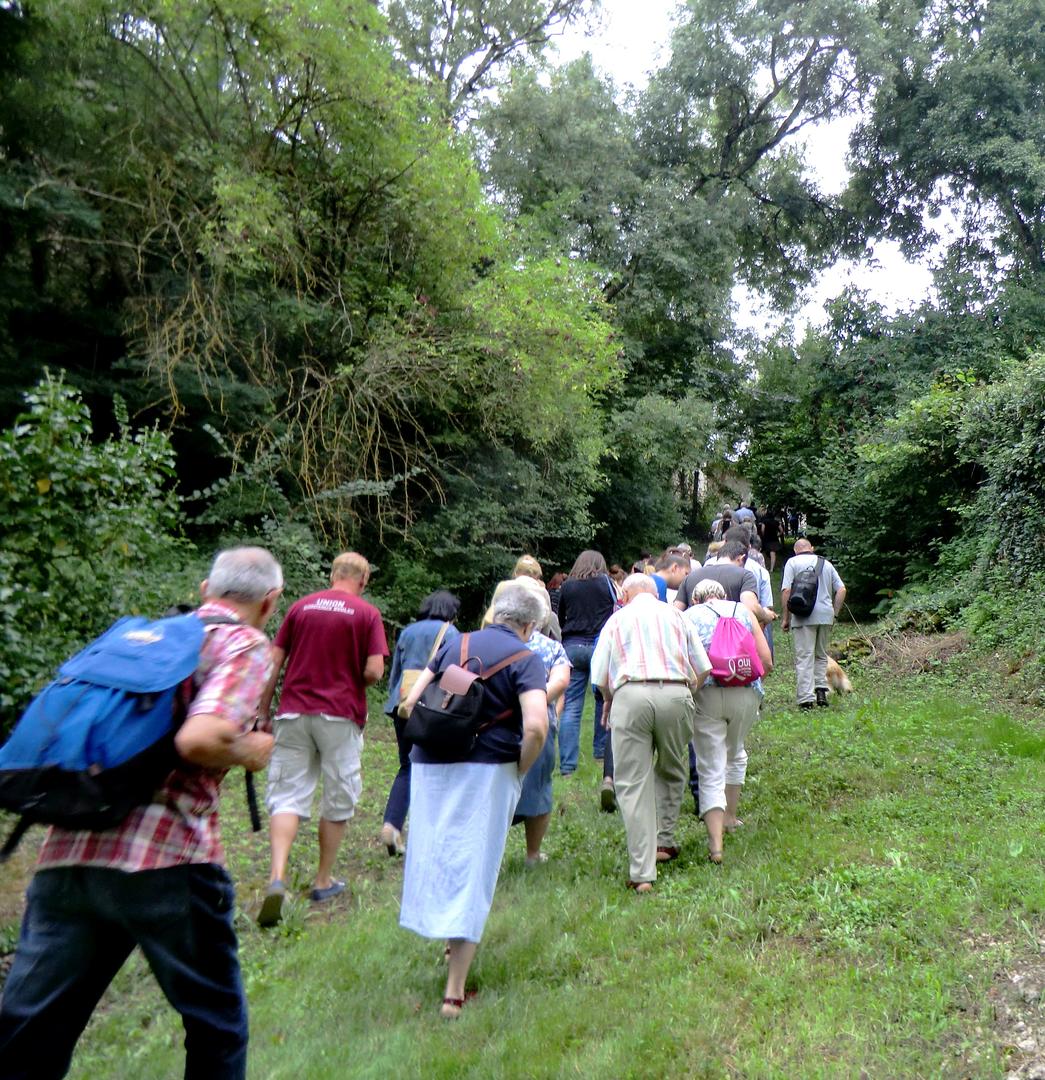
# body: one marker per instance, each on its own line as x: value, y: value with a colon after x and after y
x: 667, y: 713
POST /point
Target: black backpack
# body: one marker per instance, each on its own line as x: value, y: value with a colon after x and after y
x: 804, y: 590
x: 451, y: 711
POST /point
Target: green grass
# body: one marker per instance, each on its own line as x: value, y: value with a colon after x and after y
x: 890, y: 864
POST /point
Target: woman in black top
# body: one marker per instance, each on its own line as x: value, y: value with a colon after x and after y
x: 587, y: 599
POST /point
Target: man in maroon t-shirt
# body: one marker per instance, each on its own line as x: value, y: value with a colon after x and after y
x: 333, y: 645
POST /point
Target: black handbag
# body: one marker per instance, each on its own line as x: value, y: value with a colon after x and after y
x: 451, y: 711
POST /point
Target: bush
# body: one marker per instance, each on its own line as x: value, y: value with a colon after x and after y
x: 90, y: 532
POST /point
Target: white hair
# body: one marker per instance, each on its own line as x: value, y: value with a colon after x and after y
x: 247, y: 574
x: 707, y: 589
x: 520, y: 604
x: 639, y: 583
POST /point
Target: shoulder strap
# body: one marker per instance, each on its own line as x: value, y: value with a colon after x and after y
x: 507, y: 662
x: 438, y: 641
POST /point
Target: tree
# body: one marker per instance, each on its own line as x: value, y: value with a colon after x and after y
x: 959, y: 124
x: 463, y: 48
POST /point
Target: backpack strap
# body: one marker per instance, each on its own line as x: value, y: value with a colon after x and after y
x: 522, y: 654
x: 252, y: 795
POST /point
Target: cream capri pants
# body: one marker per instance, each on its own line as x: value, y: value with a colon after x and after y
x: 306, y: 748
x: 723, y: 718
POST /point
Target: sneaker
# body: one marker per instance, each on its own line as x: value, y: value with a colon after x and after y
x: 335, y: 888
x: 392, y: 838
x: 821, y: 697
x: 607, y: 796
x: 805, y: 704
x: 272, y: 906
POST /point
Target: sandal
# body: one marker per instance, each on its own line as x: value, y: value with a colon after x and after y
x: 715, y: 857
x: 451, y: 1008
x: 733, y: 828
x: 641, y: 886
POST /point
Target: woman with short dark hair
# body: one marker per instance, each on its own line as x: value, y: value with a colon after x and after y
x: 417, y: 644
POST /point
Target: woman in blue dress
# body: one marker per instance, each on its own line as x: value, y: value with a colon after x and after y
x: 417, y: 644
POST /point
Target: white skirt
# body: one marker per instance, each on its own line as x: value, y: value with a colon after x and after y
x: 459, y: 819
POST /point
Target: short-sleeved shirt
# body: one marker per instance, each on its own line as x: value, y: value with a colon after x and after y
x: 327, y: 637
x: 662, y: 587
x: 180, y: 825
x: 705, y: 616
x: 647, y: 641
x: 734, y: 579
x: 501, y: 742
x: 823, y: 613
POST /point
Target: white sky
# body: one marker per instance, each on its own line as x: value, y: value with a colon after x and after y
x: 634, y: 38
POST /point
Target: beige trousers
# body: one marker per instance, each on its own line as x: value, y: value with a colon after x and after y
x: 651, y: 728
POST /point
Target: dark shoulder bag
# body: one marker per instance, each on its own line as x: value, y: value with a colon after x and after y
x: 451, y: 712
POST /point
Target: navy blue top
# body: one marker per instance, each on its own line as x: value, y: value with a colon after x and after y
x: 412, y: 651
x: 584, y: 606
x: 501, y: 742
x: 662, y: 587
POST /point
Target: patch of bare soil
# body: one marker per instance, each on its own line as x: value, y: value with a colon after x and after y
x: 1018, y: 1001
x: 905, y: 653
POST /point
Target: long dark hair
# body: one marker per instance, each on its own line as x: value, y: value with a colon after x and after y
x: 589, y: 564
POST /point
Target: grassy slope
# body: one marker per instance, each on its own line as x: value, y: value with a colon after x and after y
x: 891, y: 863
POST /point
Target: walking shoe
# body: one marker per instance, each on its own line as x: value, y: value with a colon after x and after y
x: 272, y: 906
x: 607, y: 796
x: 805, y: 704
x: 821, y: 696
x: 335, y: 888
x: 392, y: 838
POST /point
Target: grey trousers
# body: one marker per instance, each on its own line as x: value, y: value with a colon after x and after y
x: 651, y: 725
x: 810, y: 659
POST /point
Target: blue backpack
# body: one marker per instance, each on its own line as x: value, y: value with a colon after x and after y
x: 99, y: 740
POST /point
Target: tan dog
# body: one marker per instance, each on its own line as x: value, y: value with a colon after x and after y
x: 837, y: 678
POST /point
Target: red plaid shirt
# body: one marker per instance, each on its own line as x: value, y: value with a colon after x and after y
x: 181, y: 824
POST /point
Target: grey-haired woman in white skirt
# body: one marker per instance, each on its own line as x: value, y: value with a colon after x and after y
x: 461, y: 809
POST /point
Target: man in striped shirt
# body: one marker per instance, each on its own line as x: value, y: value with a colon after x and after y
x: 648, y: 662
x: 156, y: 880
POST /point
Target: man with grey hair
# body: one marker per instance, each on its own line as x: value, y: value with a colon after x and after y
x: 648, y: 662
x: 157, y: 880
x: 333, y: 645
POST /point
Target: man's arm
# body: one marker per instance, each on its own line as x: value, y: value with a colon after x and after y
x: 785, y: 621
x: 839, y: 600
x: 535, y: 727
x: 375, y: 668
x: 216, y: 743
x: 750, y: 601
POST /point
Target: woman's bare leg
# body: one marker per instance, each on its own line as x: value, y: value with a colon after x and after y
x: 462, y: 953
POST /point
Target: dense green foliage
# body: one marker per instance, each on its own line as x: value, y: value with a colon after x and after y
x: 386, y: 279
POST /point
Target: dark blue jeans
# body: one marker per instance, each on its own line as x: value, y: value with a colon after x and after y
x: 81, y: 924
x: 579, y: 651
x: 399, y: 796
